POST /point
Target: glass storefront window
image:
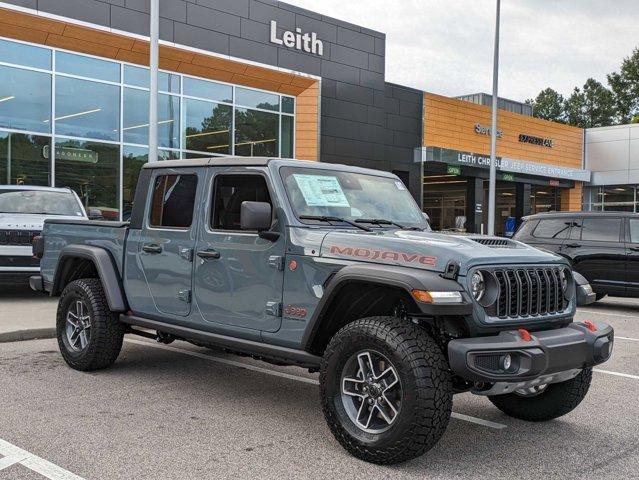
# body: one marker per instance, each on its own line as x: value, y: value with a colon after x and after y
x: 87, y: 109
x: 257, y: 99
x: 288, y: 105
x: 94, y: 136
x: 92, y: 169
x: 135, y: 125
x: 207, y: 126
x: 545, y: 199
x: 25, y: 100
x: 132, y: 160
x: 139, y: 77
x: 206, y: 89
x: 287, y: 137
x: 24, y: 159
x: 27, y: 55
x: 84, y: 66
x: 614, y: 198
x: 256, y: 133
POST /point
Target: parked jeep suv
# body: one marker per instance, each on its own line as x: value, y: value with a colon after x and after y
x: 602, y: 246
x: 330, y: 268
x: 23, y: 210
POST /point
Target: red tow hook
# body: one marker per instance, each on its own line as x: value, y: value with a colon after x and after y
x: 525, y: 335
x: 590, y: 326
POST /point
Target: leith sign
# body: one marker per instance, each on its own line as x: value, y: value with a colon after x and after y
x: 304, y: 42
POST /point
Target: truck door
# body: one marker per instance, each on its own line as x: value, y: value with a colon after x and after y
x: 238, y: 275
x: 167, y: 239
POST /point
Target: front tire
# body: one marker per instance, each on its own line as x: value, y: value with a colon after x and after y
x: 556, y: 400
x: 386, y: 390
x: 89, y: 334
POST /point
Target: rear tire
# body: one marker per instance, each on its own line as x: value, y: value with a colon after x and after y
x: 419, y: 404
x: 556, y: 400
x: 89, y: 334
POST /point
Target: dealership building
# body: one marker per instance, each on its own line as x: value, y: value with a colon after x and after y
x: 255, y: 77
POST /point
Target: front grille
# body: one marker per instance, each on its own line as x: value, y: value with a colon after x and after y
x: 524, y: 292
x: 17, y: 237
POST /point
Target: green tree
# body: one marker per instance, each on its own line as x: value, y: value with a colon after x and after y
x: 549, y: 105
x: 592, y: 106
x: 625, y: 87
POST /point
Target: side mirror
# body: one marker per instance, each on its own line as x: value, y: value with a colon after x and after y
x: 426, y: 217
x: 255, y: 216
x: 95, y: 214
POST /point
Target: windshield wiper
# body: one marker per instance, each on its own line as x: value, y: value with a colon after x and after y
x: 381, y: 221
x: 324, y: 218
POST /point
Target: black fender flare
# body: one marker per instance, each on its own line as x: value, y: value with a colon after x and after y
x: 106, y: 268
x: 407, y: 279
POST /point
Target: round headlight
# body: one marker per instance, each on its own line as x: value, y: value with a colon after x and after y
x: 477, y: 285
x: 563, y: 277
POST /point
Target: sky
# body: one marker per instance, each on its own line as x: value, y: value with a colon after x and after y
x: 446, y: 46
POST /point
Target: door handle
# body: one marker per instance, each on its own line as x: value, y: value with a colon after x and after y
x: 208, y: 254
x: 572, y: 245
x: 152, y: 248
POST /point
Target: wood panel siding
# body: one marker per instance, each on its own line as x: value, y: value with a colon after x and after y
x: 450, y: 123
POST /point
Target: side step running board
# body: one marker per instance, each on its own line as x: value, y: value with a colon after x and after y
x: 250, y: 347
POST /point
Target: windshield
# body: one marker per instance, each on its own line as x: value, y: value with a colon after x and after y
x: 39, y: 202
x: 350, y: 196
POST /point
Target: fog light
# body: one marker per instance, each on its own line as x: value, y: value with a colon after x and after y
x: 505, y: 362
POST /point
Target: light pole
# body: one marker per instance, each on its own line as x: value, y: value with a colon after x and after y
x: 493, y: 131
x: 154, y: 34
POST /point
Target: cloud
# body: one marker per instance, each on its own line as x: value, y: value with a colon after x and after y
x: 446, y: 46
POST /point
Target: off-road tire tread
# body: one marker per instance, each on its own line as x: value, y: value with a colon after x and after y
x: 107, y: 332
x: 424, y: 359
x: 557, y: 400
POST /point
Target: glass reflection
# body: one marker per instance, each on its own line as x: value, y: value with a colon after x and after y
x: 256, y: 133
x: 87, y: 109
x: 87, y: 67
x: 25, y: 100
x: 207, y: 126
x: 27, y: 55
x: 24, y: 159
x: 92, y: 170
x: 256, y: 99
x: 135, y: 127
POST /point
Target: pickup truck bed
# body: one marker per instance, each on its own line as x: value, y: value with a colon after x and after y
x: 100, y: 233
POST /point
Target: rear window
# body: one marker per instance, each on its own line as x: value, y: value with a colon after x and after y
x: 552, y: 228
x: 173, y: 201
x: 37, y: 202
x: 601, y: 229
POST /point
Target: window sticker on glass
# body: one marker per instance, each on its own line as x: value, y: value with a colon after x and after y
x: 321, y: 191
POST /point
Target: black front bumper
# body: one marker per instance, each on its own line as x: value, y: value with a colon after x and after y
x: 483, y: 359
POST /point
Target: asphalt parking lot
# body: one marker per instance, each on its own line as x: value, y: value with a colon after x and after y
x: 180, y: 411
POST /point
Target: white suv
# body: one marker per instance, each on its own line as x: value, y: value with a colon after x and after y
x: 23, y: 210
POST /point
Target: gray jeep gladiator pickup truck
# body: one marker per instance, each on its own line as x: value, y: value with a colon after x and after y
x: 333, y: 269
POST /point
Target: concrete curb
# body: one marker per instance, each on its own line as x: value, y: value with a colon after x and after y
x: 22, y: 335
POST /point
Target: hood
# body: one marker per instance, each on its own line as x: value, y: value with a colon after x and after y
x: 21, y: 221
x: 430, y: 250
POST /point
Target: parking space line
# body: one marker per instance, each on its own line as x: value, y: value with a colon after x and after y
x: 618, y: 374
x: 478, y: 421
x: 312, y: 381
x: 13, y: 455
x: 599, y: 312
x: 627, y: 338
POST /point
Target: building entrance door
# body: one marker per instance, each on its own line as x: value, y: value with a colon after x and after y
x: 505, y: 204
x: 445, y: 202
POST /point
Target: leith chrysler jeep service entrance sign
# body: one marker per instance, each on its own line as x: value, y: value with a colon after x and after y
x: 305, y: 42
x: 511, y: 165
